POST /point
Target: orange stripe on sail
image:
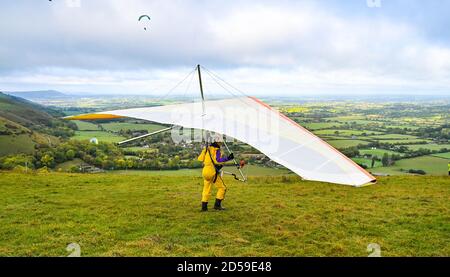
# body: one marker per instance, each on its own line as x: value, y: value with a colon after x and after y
x: 93, y: 116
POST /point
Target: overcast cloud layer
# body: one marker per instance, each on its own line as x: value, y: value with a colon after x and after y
x: 262, y: 47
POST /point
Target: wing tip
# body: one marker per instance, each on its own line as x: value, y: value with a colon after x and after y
x: 93, y: 116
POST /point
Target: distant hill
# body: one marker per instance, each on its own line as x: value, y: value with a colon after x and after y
x: 24, y: 124
x: 41, y: 94
x: 27, y: 113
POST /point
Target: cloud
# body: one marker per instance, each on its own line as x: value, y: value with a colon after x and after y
x: 262, y: 46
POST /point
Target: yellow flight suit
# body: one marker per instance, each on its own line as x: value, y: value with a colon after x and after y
x: 209, y: 173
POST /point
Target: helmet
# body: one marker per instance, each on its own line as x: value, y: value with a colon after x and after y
x: 217, y: 137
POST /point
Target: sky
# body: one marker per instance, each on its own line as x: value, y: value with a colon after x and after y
x: 286, y: 48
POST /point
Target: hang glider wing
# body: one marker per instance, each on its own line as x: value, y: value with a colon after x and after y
x: 251, y: 121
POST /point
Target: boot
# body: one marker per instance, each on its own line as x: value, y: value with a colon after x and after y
x: 204, y: 206
x: 218, y: 205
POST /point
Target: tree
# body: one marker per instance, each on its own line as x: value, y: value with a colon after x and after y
x: 130, y: 163
x: 120, y: 163
x: 385, y: 159
x: 10, y: 162
x: 47, y: 160
x: 350, y: 152
x: 174, y: 163
x: 70, y: 154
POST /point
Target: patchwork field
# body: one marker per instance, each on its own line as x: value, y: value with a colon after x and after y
x: 116, y: 127
x: 378, y: 152
x: 86, y: 126
x: 367, y: 162
x: 443, y: 155
x: 428, y: 146
x: 345, y: 143
x: 347, y: 132
x: 99, y: 135
x: 431, y: 165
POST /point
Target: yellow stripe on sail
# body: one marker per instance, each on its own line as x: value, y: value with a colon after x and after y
x: 93, y: 116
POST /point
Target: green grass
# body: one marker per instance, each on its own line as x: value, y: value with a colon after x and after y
x: 132, y: 215
x: 137, y: 149
x: 367, y: 162
x: 345, y: 143
x: 378, y: 152
x: 431, y: 165
x: 401, y: 141
x: 430, y: 146
x: 66, y: 166
x: 249, y: 170
x: 18, y: 144
x: 345, y: 132
x: 101, y: 136
x: 320, y: 125
x: 443, y: 155
x: 86, y: 126
x: 412, y: 127
x: 116, y: 127
x: 394, y: 137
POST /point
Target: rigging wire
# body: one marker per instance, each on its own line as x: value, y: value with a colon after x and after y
x: 230, y: 85
x: 174, y: 87
x: 188, y: 86
x: 215, y: 77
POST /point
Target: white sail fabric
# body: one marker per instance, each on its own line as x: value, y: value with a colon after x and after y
x: 251, y: 121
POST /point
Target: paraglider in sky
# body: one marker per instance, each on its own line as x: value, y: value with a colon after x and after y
x: 145, y: 18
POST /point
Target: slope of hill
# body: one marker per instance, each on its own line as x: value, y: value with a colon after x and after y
x: 24, y: 124
x: 25, y: 112
x: 132, y: 215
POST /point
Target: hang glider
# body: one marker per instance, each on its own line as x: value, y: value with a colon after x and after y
x: 251, y: 121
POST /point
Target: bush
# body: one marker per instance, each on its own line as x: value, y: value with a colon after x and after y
x: 74, y: 169
x: 363, y: 166
x: 43, y: 170
x: 417, y: 171
x: 20, y: 169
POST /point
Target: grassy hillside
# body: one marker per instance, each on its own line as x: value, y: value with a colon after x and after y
x: 26, y: 113
x: 17, y: 139
x: 24, y: 124
x: 249, y: 170
x: 133, y: 215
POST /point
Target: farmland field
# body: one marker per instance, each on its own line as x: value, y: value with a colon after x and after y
x: 402, y: 141
x: 344, y: 143
x: 101, y: 136
x: 346, y: 132
x: 394, y: 137
x: 431, y: 165
x: 132, y: 215
x: 116, y: 127
x: 443, y: 155
x: 319, y: 125
x: 378, y: 152
x: 86, y: 126
x: 366, y: 162
x: 430, y: 146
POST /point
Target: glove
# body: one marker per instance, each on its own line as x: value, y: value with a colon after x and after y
x: 231, y: 156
